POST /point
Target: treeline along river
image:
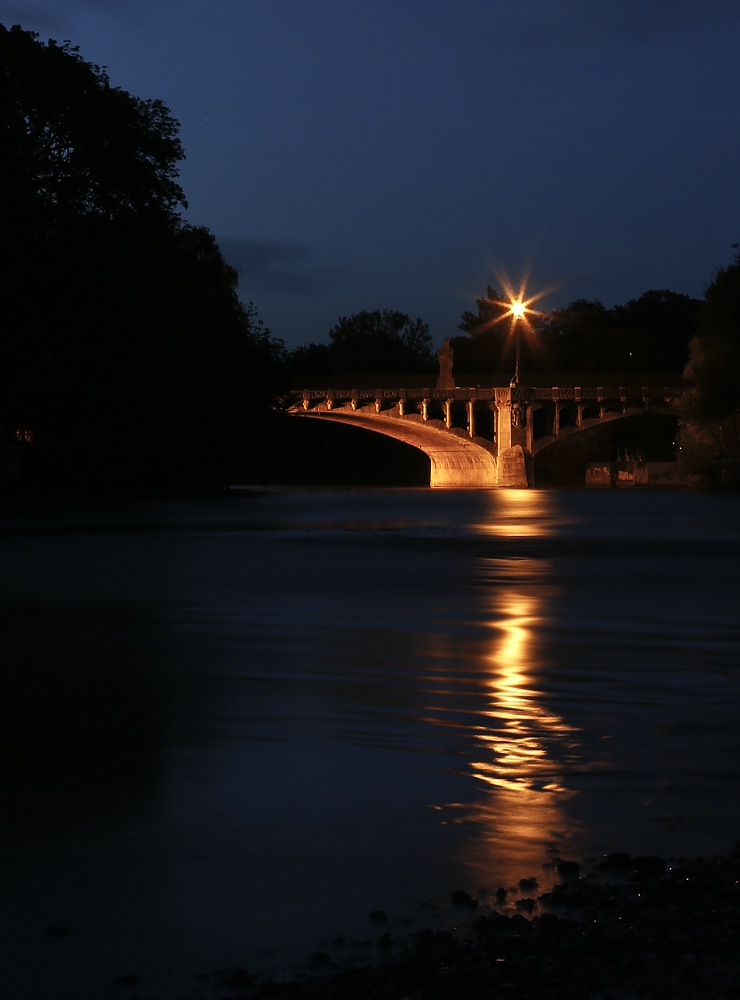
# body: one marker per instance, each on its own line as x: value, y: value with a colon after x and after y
x: 234, y: 727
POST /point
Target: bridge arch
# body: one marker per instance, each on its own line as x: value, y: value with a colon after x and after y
x: 457, y: 461
x: 608, y: 416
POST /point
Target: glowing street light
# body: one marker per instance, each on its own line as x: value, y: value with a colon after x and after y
x: 518, y: 307
x: 517, y: 310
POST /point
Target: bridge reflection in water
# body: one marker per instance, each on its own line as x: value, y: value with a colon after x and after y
x: 525, y: 748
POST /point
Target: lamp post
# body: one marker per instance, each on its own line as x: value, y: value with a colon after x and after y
x: 517, y: 312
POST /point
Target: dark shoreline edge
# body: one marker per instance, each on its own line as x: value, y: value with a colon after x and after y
x: 631, y: 928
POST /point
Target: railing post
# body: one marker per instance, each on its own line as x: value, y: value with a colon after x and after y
x: 354, y: 398
x: 623, y: 397
x: 471, y: 417
x: 329, y: 399
x: 378, y: 400
x: 600, y: 398
x: 579, y: 407
x: 448, y: 413
x: 425, y: 405
x: 306, y: 399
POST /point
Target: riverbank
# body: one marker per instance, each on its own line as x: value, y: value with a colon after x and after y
x: 627, y: 929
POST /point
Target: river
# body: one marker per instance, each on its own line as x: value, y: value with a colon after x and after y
x: 233, y: 727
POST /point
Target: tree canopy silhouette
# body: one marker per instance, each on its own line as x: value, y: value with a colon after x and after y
x: 369, y: 343
x: 645, y: 335
x: 124, y: 346
x: 483, y: 346
x: 714, y: 368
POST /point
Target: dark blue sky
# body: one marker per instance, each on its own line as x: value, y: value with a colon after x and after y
x: 362, y: 154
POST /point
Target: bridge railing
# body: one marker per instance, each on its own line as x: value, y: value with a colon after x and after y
x: 666, y: 393
x: 576, y: 394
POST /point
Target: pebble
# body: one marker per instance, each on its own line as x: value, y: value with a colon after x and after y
x: 464, y: 899
x: 568, y: 869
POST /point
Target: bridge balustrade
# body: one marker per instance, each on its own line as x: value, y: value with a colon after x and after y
x: 554, y: 394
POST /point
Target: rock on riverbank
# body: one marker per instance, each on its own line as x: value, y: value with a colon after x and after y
x: 631, y: 928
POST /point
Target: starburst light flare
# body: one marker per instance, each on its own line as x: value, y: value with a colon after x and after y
x: 518, y: 307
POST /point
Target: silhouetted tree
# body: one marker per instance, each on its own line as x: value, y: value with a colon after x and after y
x: 311, y: 359
x: 646, y: 335
x: 485, y: 345
x: 653, y: 333
x: 491, y: 308
x: 124, y: 345
x: 714, y: 368
x: 369, y: 343
x: 579, y: 337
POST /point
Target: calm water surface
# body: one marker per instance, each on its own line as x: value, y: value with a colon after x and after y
x: 232, y: 728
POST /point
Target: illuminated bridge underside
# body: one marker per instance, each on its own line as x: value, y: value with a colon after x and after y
x: 520, y: 422
x: 456, y: 460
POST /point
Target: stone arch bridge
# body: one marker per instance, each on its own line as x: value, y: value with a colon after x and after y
x: 482, y: 437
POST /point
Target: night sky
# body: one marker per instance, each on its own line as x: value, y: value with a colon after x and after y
x: 363, y: 154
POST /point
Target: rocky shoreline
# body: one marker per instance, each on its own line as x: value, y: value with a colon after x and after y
x: 629, y: 928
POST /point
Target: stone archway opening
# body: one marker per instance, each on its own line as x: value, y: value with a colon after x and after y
x: 541, y: 423
x: 566, y: 417
x: 485, y: 423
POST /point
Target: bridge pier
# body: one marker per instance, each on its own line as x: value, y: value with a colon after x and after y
x: 513, y: 405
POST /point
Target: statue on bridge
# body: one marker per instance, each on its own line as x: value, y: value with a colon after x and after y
x: 445, y: 356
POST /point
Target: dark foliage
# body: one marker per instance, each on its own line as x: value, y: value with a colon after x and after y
x: 646, y: 335
x: 369, y: 343
x: 653, y: 333
x: 486, y: 345
x: 714, y: 368
x: 124, y: 347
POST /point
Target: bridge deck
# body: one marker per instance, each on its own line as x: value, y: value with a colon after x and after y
x: 460, y: 456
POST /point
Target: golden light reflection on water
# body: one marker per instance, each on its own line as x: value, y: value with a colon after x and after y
x: 521, y: 514
x: 527, y: 746
x: 524, y: 746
